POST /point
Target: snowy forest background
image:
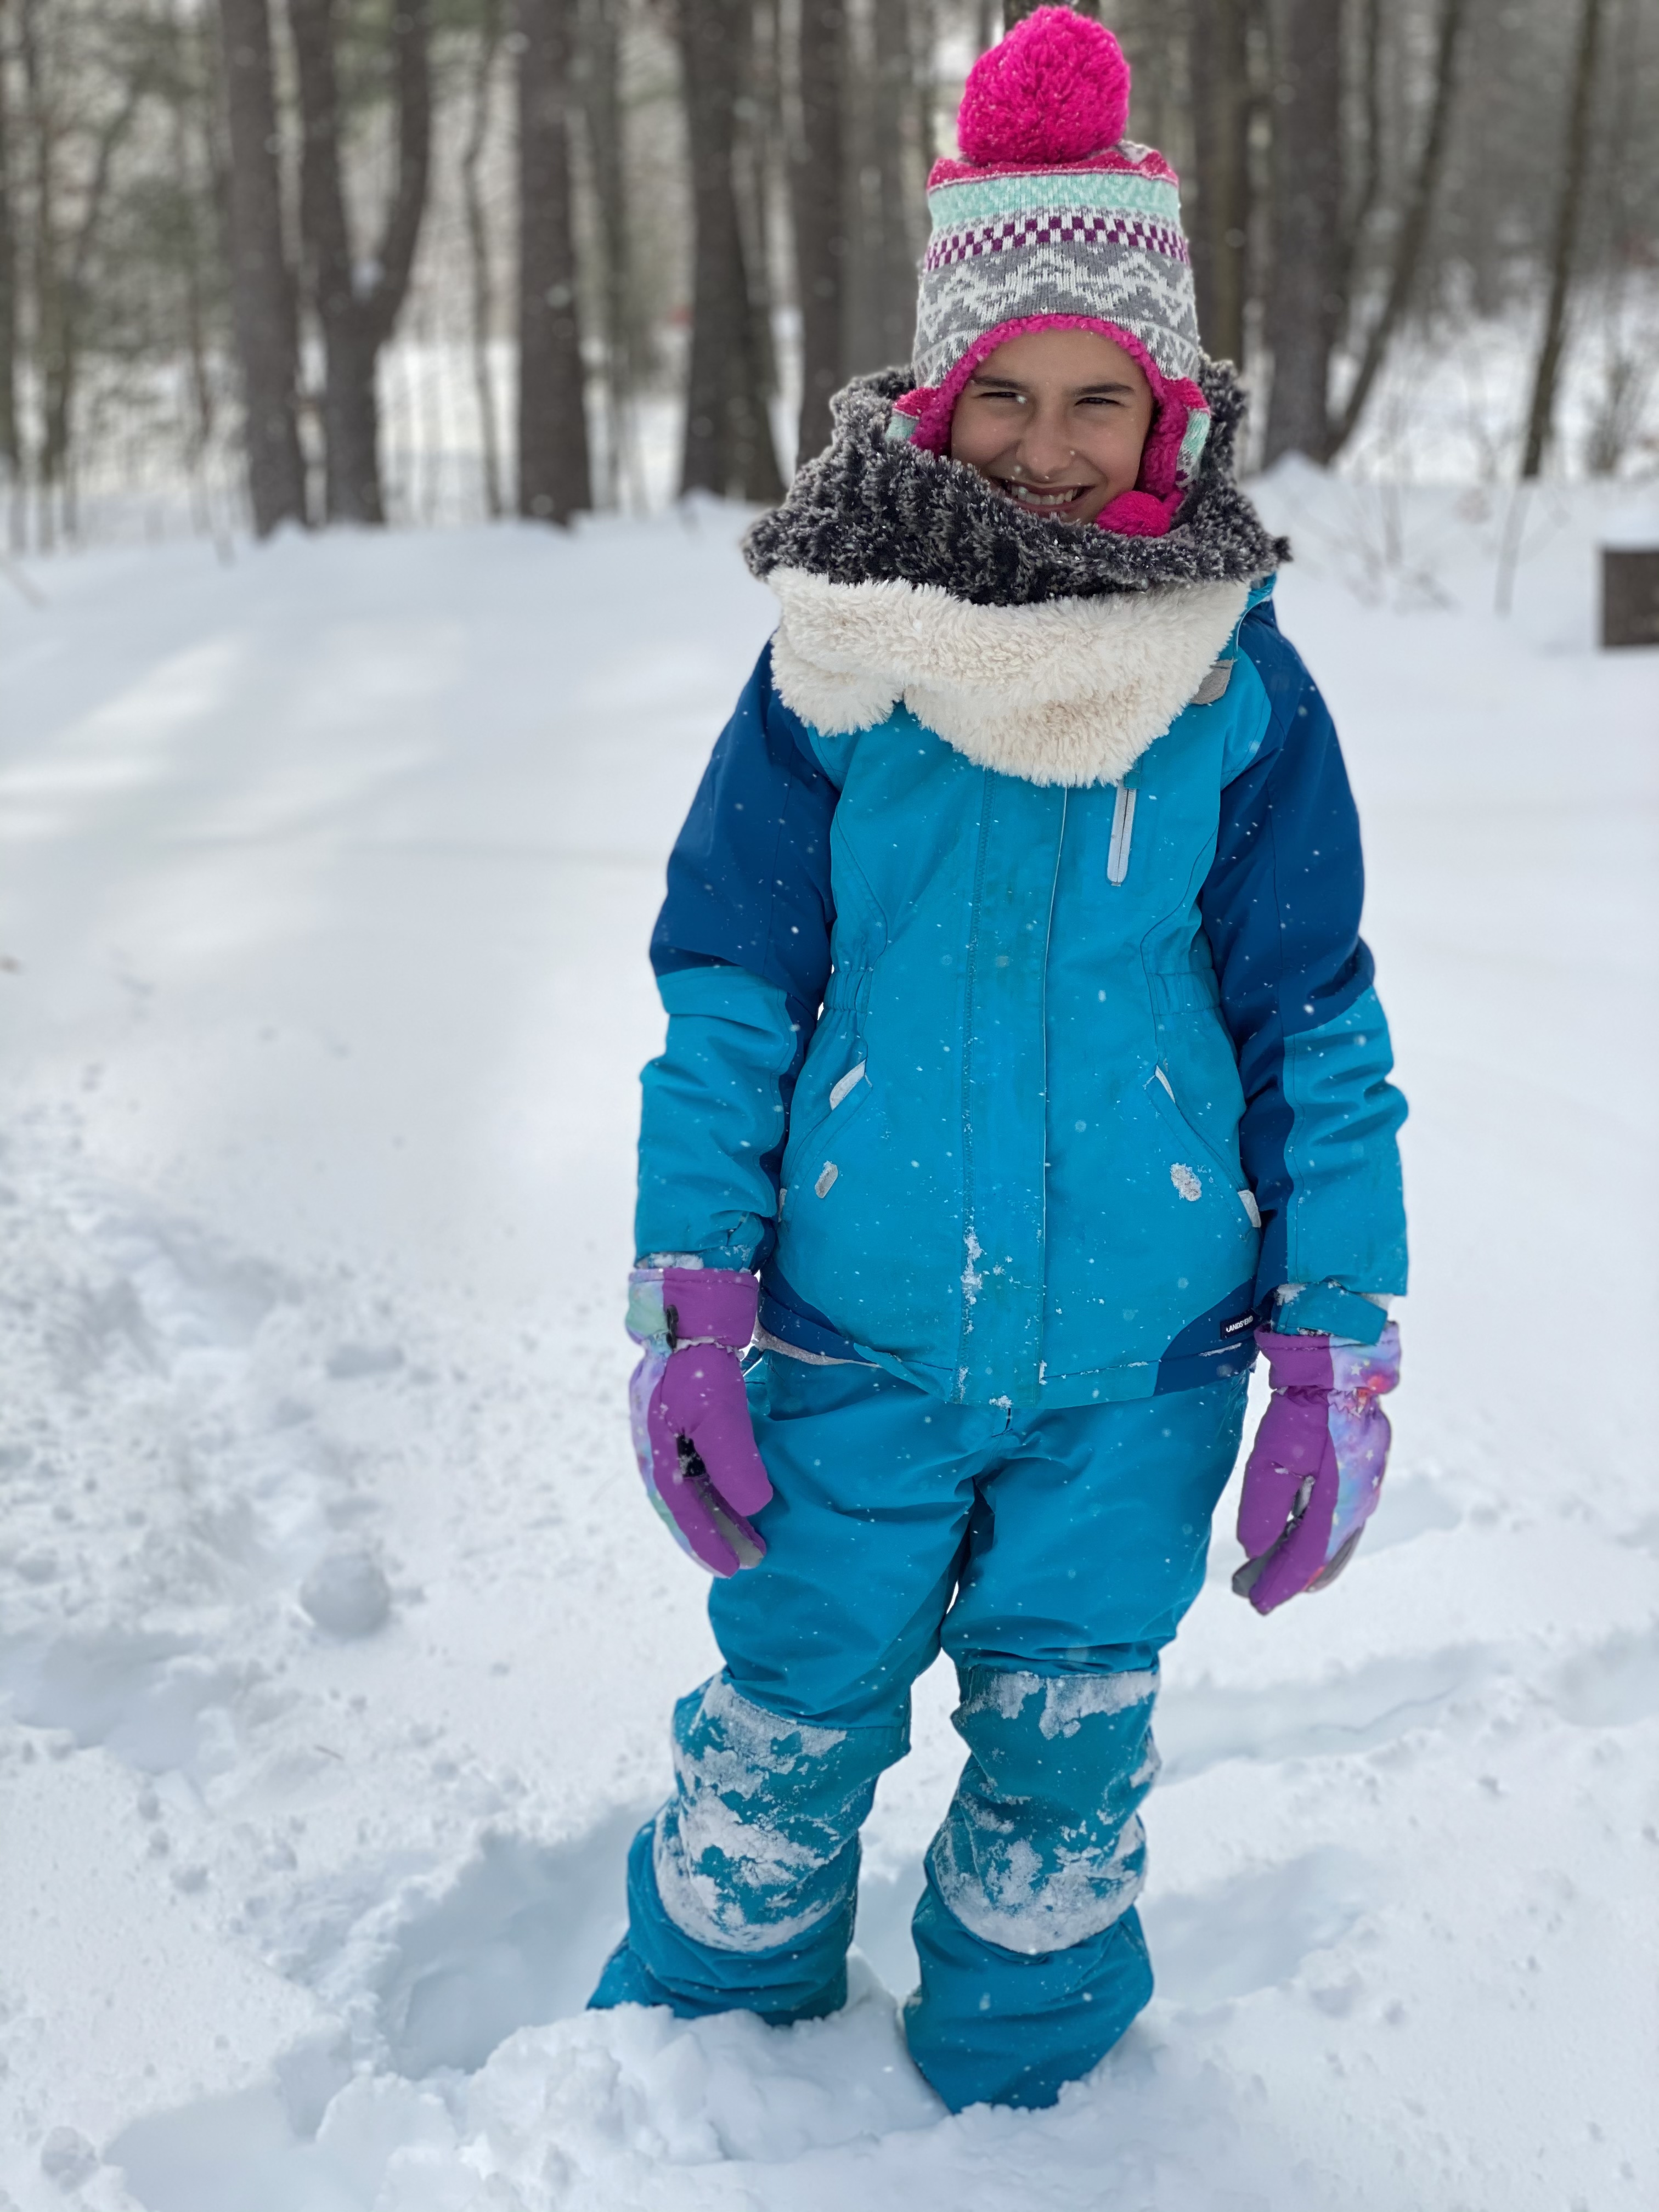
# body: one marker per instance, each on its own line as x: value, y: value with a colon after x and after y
x: 400, y: 238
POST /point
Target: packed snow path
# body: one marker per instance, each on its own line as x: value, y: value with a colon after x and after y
x: 336, y: 1642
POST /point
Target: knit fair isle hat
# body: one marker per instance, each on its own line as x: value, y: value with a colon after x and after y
x: 1053, y: 220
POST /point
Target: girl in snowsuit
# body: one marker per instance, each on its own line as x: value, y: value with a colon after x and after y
x: 1023, y: 1075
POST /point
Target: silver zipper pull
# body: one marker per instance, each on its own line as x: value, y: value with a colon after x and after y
x: 1123, y: 829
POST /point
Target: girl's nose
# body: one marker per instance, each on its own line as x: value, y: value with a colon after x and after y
x: 1045, y: 450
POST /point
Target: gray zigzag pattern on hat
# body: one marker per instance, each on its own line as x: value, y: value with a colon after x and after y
x: 1105, y: 280
x: 867, y: 510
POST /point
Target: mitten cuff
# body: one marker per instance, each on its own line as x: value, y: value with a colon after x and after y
x: 1296, y: 1362
x: 1331, y: 1362
x: 1329, y: 1310
x: 670, y: 1306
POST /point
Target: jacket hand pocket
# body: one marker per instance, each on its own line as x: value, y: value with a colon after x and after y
x: 810, y: 1168
x: 1200, y: 1159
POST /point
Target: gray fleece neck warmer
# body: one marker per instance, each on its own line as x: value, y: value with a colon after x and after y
x: 870, y: 510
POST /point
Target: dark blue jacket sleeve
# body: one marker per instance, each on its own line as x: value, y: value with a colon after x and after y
x: 748, y: 876
x: 1281, y: 910
x: 741, y: 950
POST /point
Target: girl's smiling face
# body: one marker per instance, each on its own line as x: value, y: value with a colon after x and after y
x: 1056, y: 421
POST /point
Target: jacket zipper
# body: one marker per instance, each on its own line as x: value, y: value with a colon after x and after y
x: 1048, y: 946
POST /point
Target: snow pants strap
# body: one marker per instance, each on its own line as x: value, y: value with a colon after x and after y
x: 1042, y: 1847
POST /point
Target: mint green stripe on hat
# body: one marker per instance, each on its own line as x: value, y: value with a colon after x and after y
x: 984, y: 199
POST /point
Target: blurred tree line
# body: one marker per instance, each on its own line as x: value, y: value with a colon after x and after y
x: 228, y: 227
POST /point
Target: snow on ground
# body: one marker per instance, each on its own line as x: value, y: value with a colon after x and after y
x: 336, y: 1643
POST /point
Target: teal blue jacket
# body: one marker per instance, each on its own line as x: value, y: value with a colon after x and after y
x: 1029, y: 1093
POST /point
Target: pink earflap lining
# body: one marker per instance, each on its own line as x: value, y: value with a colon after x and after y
x: 1149, y: 508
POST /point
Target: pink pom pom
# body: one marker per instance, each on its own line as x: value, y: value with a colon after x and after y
x: 1056, y: 89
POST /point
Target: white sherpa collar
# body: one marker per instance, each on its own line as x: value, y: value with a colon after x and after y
x: 1069, y: 691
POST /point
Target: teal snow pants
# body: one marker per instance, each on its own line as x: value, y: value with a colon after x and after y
x: 1052, y: 1554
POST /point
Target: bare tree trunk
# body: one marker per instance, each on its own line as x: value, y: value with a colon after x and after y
x: 1015, y: 11
x: 11, y: 451
x: 45, y: 279
x: 553, y: 469
x: 1414, y: 228
x: 895, y: 259
x: 351, y: 417
x: 1357, y: 220
x: 818, y: 190
x: 1220, y: 70
x: 602, y: 103
x: 261, y: 280
x: 64, y: 266
x: 482, y: 299
x: 1304, y: 300
x: 1152, y: 34
x: 1619, y: 402
x: 757, y: 150
x: 187, y: 100
x: 861, y: 214
x: 207, y: 134
x: 728, y: 437
x: 1540, y: 417
x: 924, y: 30
x: 357, y: 322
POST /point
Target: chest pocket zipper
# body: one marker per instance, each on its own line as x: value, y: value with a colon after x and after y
x: 849, y: 1082
x: 1214, y: 686
x: 1123, y: 829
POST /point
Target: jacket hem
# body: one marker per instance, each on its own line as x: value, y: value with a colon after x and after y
x: 782, y: 1329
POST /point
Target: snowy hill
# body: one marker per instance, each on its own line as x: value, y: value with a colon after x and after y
x: 336, y: 1642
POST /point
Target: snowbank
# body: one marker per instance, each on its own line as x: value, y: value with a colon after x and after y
x: 336, y: 1640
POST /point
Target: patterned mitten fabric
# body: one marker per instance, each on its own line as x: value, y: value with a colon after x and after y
x: 1314, y: 1472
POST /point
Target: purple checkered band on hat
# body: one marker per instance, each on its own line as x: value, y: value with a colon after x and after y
x: 1084, y: 225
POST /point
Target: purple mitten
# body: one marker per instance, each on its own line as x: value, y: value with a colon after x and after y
x: 1312, y: 1478
x: 692, y: 1434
